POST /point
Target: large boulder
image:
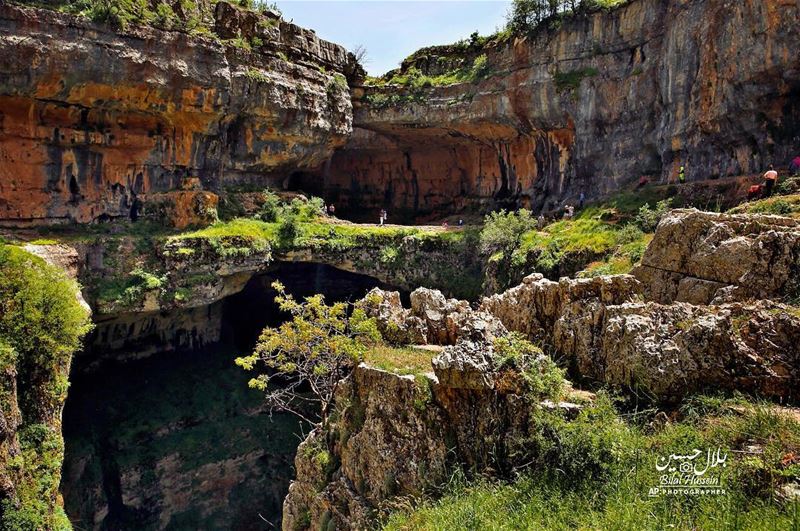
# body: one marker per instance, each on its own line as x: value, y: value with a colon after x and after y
x: 434, y: 309
x: 669, y: 351
x: 704, y: 257
x: 395, y: 323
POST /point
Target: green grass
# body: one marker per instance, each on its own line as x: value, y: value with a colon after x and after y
x: 621, y: 260
x: 572, y: 80
x: 412, y: 77
x: 622, y: 451
x: 400, y: 360
x: 586, y: 235
x: 786, y: 205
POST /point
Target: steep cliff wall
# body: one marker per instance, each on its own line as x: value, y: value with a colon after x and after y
x: 94, y: 123
x: 593, y: 106
x: 41, y: 325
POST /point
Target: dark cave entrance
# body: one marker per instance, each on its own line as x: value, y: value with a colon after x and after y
x: 165, y: 434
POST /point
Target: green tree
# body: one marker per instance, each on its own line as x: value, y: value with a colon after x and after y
x: 303, y: 360
x: 503, y: 230
x: 526, y: 15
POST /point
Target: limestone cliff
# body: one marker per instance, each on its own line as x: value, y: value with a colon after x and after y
x: 591, y: 106
x: 703, y: 257
x: 97, y: 123
x: 377, y: 451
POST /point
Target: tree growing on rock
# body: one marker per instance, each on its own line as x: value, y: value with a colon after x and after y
x: 303, y: 360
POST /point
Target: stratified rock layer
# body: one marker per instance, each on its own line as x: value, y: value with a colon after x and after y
x: 606, y: 334
x: 95, y: 123
x: 592, y: 106
x: 700, y: 257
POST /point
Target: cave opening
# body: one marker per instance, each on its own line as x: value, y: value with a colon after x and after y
x: 161, y: 430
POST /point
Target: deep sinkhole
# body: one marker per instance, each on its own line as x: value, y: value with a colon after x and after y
x: 161, y: 430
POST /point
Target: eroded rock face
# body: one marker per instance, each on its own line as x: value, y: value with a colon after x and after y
x: 533, y: 307
x: 606, y: 333
x: 700, y: 257
x: 432, y: 318
x: 383, y: 449
x: 670, y: 351
x: 96, y: 123
x: 592, y: 106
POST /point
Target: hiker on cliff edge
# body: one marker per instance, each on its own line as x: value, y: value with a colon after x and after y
x: 770, y: 180
x: 682, y: 175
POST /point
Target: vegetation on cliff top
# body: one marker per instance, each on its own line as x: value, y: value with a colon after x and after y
x: 188, y: 15
x: 41, y: 325
x: 598, y: 240
x: 596, y: 472
x: 787, y: 205
x: 528, y: 15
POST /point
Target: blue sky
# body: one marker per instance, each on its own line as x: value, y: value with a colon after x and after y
x: 391, y: 30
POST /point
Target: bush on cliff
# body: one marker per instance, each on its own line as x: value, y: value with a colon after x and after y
x: 527, y: 15
x: 544, y: 379
x: 502, y: 231
x: 302, y: 361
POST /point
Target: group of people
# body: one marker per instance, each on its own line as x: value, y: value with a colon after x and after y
x: 569, y: 210
x: 764, y: 189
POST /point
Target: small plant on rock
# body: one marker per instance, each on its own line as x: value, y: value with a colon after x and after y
x: 648, y: 217
x: 541, y: 375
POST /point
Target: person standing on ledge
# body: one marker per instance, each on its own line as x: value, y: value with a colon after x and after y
x: 682, y: 175
x: 581, y: 200
x: 770, y: 180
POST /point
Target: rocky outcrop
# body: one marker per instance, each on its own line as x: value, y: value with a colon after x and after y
x: 534, y: 307
x: 136, y: 274
x: 99, y: 123
x: 667, y: 352
x: 432, y: 319
x: 378, y: 450
x: 605, y: 333
x: 700, y: 257
x: 592, y: 106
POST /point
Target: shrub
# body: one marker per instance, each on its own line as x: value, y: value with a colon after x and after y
x: 502, y: 231
x: 41, y: 325
x: 288, y: 230
x: 315, y: 349
x: 271, y: 208
x: 540, y: 373
x: 648, y: 218
x: 39, y: 313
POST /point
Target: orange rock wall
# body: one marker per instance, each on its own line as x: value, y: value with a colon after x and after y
x: 93, y: 121
x: 710, y: 84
